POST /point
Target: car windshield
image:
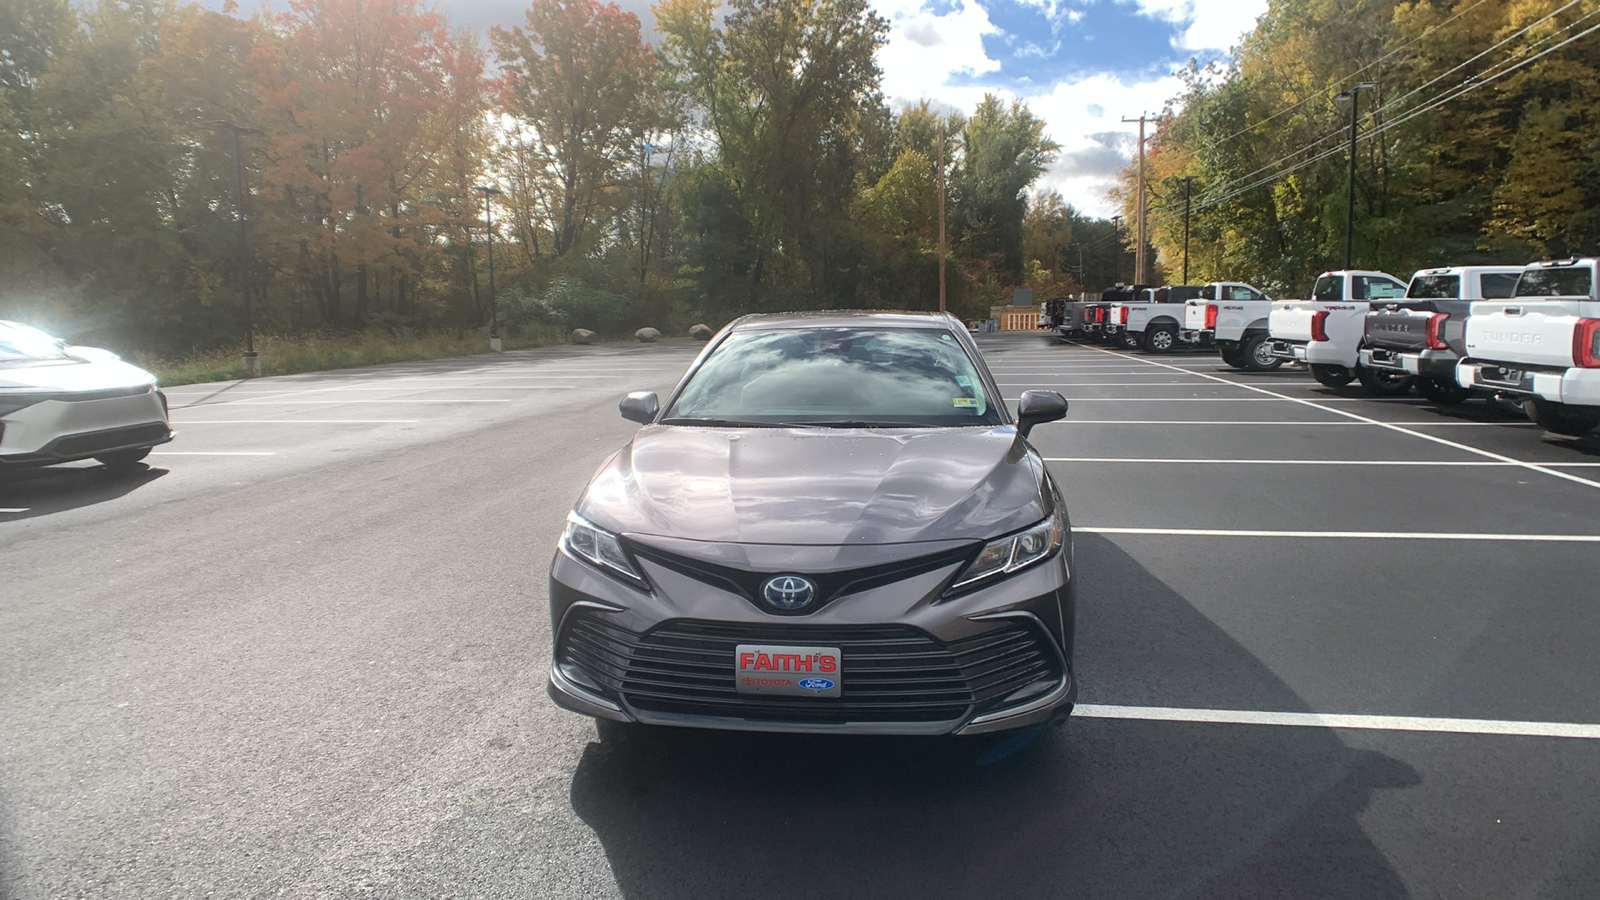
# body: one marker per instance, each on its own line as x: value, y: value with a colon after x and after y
x: 1435, y: 287
x: 20, y: 343
x: 837, y: 376
x: 1329, y: 287
x: 1572, y: 281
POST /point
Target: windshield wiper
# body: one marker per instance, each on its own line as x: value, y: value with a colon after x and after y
x: 713, y: 422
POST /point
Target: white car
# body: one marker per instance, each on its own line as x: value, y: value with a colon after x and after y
x: 60, y: 403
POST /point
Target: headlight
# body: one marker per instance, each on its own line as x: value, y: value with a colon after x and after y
x: 590, y: 542
x: 1012, y: 553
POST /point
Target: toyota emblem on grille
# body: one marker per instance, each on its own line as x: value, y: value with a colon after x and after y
x: 788, y: 592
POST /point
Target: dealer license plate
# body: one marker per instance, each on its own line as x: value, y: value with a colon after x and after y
x: 793, y: 671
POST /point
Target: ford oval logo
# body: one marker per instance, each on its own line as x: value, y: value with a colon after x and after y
x: 815, y: 684
x: 788, y: 592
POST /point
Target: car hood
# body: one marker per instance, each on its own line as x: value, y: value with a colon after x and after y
x: 819, y: 486
x: 72, y: 375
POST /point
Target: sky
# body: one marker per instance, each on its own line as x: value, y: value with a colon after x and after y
x: 1081, y: 65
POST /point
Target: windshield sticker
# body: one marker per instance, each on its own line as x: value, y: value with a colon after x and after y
x: 964, y: 381
x: 965, y: 401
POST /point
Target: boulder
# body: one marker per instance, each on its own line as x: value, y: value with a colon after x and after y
x: 581, y: 336
x: 647, y: 335
x: 700, y: 332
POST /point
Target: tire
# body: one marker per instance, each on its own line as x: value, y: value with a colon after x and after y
x: 1256, y: 354
x: 618, y: 735
x: 1440, y: 392
x: 1562, y: 418
x: 1161, y: 339
x: 1332, y: 376
x: 1127, y: 341
x: 122, y: 460
x: 1383, y: 382
x: 1232, y: 356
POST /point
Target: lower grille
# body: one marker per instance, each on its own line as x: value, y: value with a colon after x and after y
x: 94, y: 442
x: 890, y: 673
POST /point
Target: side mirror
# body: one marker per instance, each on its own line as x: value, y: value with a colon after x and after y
x: 642, y: 406
x: 1039, y: 406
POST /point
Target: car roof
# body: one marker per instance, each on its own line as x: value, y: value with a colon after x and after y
x: 847, y: 318
x: 1463, y: 270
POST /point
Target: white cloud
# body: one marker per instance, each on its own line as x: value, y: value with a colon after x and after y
x: 1210, y: 24
x: 925, y: 51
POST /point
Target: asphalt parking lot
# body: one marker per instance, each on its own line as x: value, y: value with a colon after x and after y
x: 1328, y: 646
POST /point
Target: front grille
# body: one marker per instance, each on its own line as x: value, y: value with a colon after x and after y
x: 97, y: 441
x: 889, y: 673
x: 830, y: 585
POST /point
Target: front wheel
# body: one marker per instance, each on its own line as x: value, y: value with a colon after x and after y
x: 122, y: 460
x: 1127, y: 341
x: 1332, y: 376
x: 1383, y: 382
x: 1256, y: 354
x: 1442, y: 392
x: 1561, y: 418
x: 1161, y: 339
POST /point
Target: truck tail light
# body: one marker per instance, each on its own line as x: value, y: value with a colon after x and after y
x: 1319, y: 325
x: 1436, y: 331
x: 1586, y: 343
x: 1211, y: 315
x: 1122, y: 315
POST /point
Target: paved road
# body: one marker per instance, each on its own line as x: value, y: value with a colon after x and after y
x: 303, y: 653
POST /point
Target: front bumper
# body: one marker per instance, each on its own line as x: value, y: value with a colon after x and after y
x: 84, y: 425
x: 1440, y: 365
x: 993, y: 659
x: 1578, y: 387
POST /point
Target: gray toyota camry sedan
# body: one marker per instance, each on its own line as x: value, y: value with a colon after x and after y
x: 833, y: 524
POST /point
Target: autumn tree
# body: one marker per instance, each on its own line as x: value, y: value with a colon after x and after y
x: 361, y: 101
x: 579, y: 79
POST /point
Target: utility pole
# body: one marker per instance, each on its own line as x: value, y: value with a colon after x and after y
x: 494, y: 307
x: 941, y: 215
x: 1138, y: 252
x: 252, y: 360
x: 1188, y: 183
x: 1354, y: 97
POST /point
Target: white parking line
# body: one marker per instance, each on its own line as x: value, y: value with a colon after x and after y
x: 1503, y: 727
x: 298, y: 421
x: 1353, y: 535
x: 214, y: 453
x: 1078, y: 384
x: 1342, y: 423
x: 1299, y: 462
x: 1568, y: 476
x: 14, y: 509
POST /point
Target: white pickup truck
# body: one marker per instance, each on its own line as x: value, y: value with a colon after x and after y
x: 1232, y: 317
x: 1542, y: 346
x: 1425, y: 333
x: 1152, y: 322
x: 1326, y: 331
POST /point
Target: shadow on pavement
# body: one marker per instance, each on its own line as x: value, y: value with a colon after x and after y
x: 53, y: 489
x: 1102, y: 808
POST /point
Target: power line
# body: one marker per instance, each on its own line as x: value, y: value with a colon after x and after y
x: 1429, y: 105
x: 1289, y: 109
x: 1339, y: 132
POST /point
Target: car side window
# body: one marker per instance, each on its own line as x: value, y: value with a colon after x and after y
x: 1367, y: 287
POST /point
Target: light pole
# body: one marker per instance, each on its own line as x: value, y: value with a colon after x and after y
x: 1188, y: 183
x: 1354, y: 97
x: 1116, y: 243
x: 252, y: 361
x: 494, y: 307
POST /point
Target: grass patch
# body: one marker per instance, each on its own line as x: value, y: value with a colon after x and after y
x: 290, y: 355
